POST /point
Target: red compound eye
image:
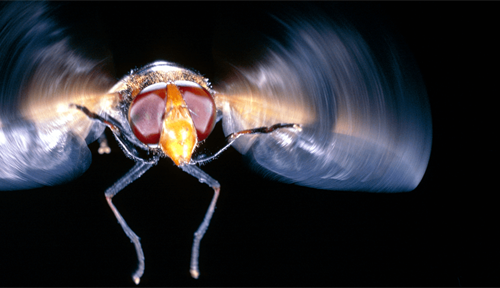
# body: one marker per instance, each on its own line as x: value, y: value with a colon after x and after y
x: 201, y: 105
x: 146, y: 113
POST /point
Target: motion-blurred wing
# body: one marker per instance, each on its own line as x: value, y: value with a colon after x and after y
x: 42, y: 140
x: 365, y: 116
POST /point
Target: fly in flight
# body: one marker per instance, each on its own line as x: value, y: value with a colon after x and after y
x: 319, y: 108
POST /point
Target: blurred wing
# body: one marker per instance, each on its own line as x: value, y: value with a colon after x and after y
x: 365, y: 115
x: 42, y: 140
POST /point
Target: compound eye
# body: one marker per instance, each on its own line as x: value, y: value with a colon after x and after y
x: 201, y: 105
x: 146, y: 113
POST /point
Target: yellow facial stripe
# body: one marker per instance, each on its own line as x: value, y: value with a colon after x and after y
x: 178, y: 136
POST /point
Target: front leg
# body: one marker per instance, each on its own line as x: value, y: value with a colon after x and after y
x: 200, y: 158
x: 122, y: 137
x: 198, y: 235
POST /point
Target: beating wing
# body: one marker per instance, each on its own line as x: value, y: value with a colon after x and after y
x: 42, y: 140
x: 363, y: 108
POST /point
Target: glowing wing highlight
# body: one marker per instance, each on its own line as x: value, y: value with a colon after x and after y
x: 365, y: 118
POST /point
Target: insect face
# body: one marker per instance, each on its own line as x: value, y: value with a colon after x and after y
x: 174, y: 116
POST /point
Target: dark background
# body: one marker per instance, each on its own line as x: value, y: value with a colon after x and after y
x: 265, y: 233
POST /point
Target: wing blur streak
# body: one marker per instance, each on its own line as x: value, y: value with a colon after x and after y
x: 42, y: 141
x: 366, y: 119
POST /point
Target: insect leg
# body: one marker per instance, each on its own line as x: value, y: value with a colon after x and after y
x: 121, y: 135
x: 134, y: 173
x: 103, y: 144
x: 233, y: 136
x: 263, y: 130
x: 198, y: 235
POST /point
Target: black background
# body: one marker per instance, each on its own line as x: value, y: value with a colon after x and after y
x: 264, y: 233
